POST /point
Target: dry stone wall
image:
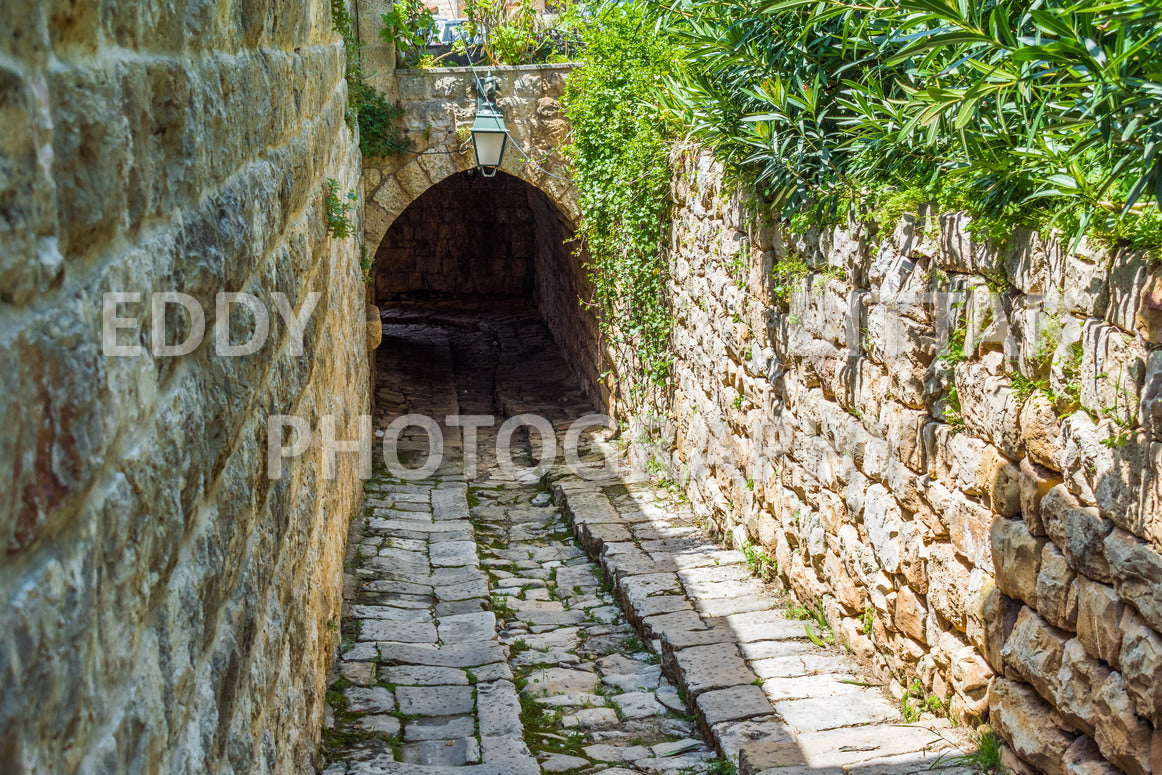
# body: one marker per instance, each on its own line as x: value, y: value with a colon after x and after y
x: 952, y: 525
x: 167, y: 607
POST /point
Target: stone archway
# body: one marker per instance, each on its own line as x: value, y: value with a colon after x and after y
x: 396, y: 191
x: 438, y: 107
x: 480, y: 240
x: 468, y: 235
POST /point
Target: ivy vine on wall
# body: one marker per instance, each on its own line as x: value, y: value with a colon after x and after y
x: 620, y: 157
x: 380, y: 133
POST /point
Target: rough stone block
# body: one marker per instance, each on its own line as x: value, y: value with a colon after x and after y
x: 948, y: 581
x: 1140, y: 661
x: 1098, y: 608
x: 991, y: 621
x: 1057, y: 589
x: 1028, y: 724
x: 1112, y: 371
x: 1084, y: 758
x: 1080, y: 534
x: 1041, y: 432
x: 1123, y: 736
x: 1035, y: 483
x: 1135, y: 567
x: 1017, y: 559
x: 1034, y: 649
x: 909, y: 615
x: 990, y: 407
x: 1150, y: 414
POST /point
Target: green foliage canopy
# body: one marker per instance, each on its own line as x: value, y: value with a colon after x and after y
x: 1037, y: 112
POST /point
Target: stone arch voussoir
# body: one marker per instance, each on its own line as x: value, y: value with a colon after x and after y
x: 387, y: 201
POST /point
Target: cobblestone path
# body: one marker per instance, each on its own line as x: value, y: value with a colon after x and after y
x: 539, y: 621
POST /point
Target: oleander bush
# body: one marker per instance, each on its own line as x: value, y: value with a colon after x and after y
x: 1044, y: 113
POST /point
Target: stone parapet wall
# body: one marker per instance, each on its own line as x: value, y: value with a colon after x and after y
x: 951, y: 525
x: 166, y: 606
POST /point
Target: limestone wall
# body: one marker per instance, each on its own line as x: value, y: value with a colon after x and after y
x: 166, y: 607
x: 953, y: 526
x: 563, y: 292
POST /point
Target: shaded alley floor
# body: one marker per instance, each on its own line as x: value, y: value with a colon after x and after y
x: 521, y: 621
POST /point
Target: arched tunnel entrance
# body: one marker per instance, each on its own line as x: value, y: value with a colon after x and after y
x: 468, y: 235
x: 471, y: 250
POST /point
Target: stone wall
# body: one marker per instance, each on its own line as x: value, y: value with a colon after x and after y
x: 166, y: 606
x: 953, y: 526
x: 563, y: 292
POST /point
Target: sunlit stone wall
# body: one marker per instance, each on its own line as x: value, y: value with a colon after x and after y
x: 956, y: 524
x: 166, y: 607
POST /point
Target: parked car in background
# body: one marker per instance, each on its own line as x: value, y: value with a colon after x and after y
x: 446, y: 31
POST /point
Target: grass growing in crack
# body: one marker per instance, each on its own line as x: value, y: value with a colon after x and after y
x: 986, y: 759
x: 542, y: 723
x: 335, y: 740
x: 501, y: 608
x: 867, y: 619
x: 603, y: 585
x: 335, y: 696
x: 813, y: 618
x: 633, y: 643
x: 349, y: 631
x: 822, y: 639
x: 720, y: 766
x: 761, y: 564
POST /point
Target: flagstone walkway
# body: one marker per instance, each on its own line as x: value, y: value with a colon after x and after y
x: 537, y: 621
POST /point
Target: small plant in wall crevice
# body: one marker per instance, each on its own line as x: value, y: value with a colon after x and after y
x: 377, y: 120
x: 338, y: 210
